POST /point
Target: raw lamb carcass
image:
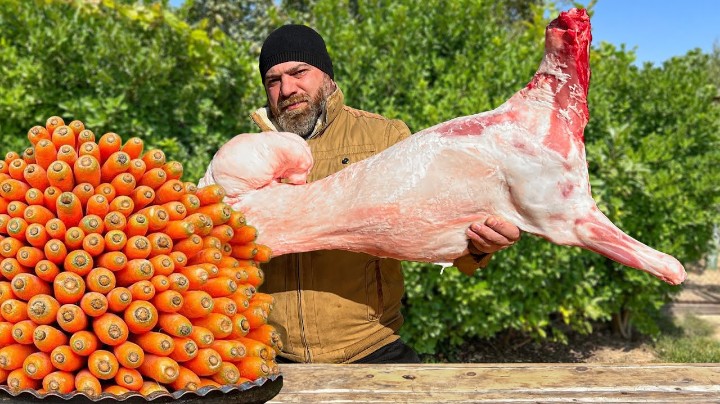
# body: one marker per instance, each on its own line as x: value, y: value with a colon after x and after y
x: 524, y: 161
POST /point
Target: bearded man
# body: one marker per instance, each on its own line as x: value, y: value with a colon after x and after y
x: 339, y: 306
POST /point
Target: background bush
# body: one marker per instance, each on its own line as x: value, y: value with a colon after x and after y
x: 186, y: 80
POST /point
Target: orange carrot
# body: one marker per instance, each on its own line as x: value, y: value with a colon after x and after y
x: 203, y: 223
x: 92, y: 223
x: 197, y: 304
x: 115, y: 240
x: 97, y: 205
x: 173, y: 169
x: 154, y: 158
x: 218, y: 212
x: 45, y: 153
x: 210, y: 194
x: 115, y: 221
x: 60, y: 175
x: 84, y: 136
x: 156, y: 343
x: 116, y: 390
x: 133, y: 147
x: 160, y: 243
x: 189, y: 246
x: 71, y: 318
x: 112, y: 260
x: 205, y: 382
x: 151, y: 387
x: 43, y: 309
x: 84, y: 342
x: 119, y: 299
x: 9, y: 247
x: 68, y: 287
x: 16, y: 210
x: 142, y: 290
x: 86, y: 383
x: 240, y: 326
x: 103, y: 364
x: 244, y: 251
x: 136, y: 270
x: 37, y: 365
x: 179, y: 282
x: 22, y: 332
x: 90, y: 149
x: 187, y: 380
x: 263, y: 254
x: 160, y: 368
x: 36, y: 177
x: 228, y: 374
x: 116, y: 163
x: 50, y: 197
x: 220, y: 286
x: 137, y: 247
x: 124, y: 183
x: 137, y: 225
x: 6, y: 335
x: 238, y: 274
x: 67, y: 154
x: 179, y: 229
x: 26, y: 285
x: 202, y: 336
x: 13, y: 190
x: 84, y: 191
x: 131, y: 379
x: 77, y: 126
x: 129, y: 354
x: 140, y: 316
x: 175, y: 324
x: 219, y: 324
x: 206, y: 363
x: 12, y: 356
x: 176, y: 210
x: 137, y: 169
x: 100, y: 280
x: 123, y: 204
x: 110, y: 329
x: 69, y: 209
x: 18, y: 380
x: 224, y: 305
x: 257, y: 348
x: 161, y: 283
x: 38, y: 214
x: 59, y: 382
x: 63, y: 135
x: 94, y: 244
x: 10, y: 267
x: 107, y: 190
x: 179, y: 259
x: 29, y: 256
x: 55, y: 251
x: 169, y: 191
x: 109, y: 143
x: 46, y: 338
x: 55, y: 228
x: 94, y: 304
x: 142, y: 196
x: 185, y: 349
x: 64, y: 358
x: 153, y: 178
x: 169, y: 301
x: 16, y: 169
x: 73, y: 238
x: 36, y: 133
x: 191, y: 202
x: 46, y: 270
x: 229, y: 349
x: 253, y: 367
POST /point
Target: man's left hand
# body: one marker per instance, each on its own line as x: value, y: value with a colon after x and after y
x: 492, y: 235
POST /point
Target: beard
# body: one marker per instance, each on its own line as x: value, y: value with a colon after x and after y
x: 302, y: 121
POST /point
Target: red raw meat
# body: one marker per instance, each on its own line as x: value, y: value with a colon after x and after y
x: 524, y: 161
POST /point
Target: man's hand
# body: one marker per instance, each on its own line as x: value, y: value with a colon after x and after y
x: 493, y: 235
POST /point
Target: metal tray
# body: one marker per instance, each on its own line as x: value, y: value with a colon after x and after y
x: 260, y: 391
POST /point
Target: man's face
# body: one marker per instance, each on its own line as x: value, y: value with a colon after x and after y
x: 296, y: 94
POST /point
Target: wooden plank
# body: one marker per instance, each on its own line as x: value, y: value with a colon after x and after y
x: 500, y: 383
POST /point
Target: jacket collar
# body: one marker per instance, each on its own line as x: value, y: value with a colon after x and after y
x: 335, y: 103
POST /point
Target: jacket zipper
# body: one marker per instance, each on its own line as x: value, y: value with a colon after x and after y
x: 303, y: 338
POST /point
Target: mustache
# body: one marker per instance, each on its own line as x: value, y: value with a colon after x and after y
x: 292, y: 100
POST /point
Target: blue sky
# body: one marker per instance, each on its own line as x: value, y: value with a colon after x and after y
x: 655, y: 29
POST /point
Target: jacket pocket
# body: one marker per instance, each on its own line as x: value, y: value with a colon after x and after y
x: 374, y: 290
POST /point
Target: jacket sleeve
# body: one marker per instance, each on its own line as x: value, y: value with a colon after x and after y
x: 396, y: 131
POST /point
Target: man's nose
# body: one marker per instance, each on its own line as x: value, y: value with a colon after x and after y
x: 288, y: 86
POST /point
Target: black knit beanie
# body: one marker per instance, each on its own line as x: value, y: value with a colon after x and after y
x: 295, y: 43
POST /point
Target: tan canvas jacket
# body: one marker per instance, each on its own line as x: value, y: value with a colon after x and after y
x: 338, y: 306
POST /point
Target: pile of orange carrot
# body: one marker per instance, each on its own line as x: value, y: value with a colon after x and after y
x: 118, y: 276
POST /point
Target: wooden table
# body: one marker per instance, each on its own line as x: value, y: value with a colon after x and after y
x: 506, y: 383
